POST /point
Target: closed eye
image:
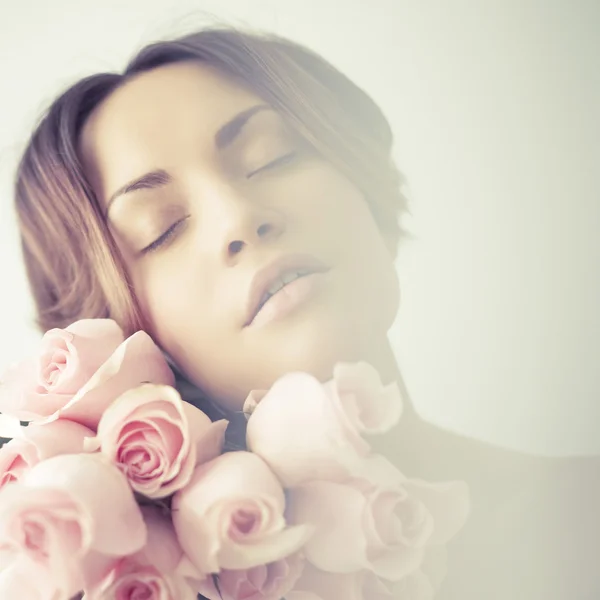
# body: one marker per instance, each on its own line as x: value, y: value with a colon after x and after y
x: 167, y: 236
x: 282, y: 160
x: 170, y: 233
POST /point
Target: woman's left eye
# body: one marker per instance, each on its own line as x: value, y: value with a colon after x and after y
x: 280, y: 161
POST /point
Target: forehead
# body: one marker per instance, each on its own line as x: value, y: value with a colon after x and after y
x: 155, y: 117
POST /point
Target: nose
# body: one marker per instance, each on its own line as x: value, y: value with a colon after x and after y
x: 239, y: 223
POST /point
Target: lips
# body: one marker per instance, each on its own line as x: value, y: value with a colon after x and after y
x: 270, y: 277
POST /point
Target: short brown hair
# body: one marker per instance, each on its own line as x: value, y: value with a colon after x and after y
x: 73, y: 265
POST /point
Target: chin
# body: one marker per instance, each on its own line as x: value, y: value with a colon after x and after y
x: 314, y: 345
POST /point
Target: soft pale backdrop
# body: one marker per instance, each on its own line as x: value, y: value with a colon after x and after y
x: 495, y: 108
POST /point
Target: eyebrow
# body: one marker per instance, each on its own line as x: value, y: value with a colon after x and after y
x: 224, y: 137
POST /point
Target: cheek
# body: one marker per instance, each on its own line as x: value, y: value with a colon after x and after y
x: 371, y: 272
x: 192, y: 326
x: 350, y: 236
x: 177, y: 305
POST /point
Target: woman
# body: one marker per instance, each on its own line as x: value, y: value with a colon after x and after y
x: 234, y: 195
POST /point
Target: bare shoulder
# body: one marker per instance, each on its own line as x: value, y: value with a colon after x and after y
x: 425, y: 450
x: 534, y: 529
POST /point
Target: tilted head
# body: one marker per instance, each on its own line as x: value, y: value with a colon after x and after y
x: 177, y: 197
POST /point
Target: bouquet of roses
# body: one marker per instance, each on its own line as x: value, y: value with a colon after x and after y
x: 117, y: 489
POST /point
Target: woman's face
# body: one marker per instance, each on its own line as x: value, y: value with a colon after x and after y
x: 215, y: 204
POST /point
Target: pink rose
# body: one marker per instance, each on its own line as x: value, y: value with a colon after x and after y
x: 137, y: 360
x: 231, y: 515
x: 264, y: 582
x: 371, y: 407
x: 157, y: 438
x: 67, y: 358
x: 448, y: 503
x: 306, y: 430
x: 16, y: 580
x: 356, y: 530
x: 68, y: 514
x: 153, y: 573
x: 36, y: 443
x: 361, y: 585
x: 383, y: 529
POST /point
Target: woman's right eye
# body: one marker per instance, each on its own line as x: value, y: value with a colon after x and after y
x: 164, y: 238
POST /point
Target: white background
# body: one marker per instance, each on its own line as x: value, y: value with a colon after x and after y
x: 495, y: 109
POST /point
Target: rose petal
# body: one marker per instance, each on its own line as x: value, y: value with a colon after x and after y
x: 298, y: 432
x: 36, y: 443
x: 137, y: 360
x: 88, y: 344
x: 207, y: 436
x: 371, y: 407
x: 204, y: 513
x: 272, y: 581
x: 186, y: 569
x: 448, y: 503
x: 47, y: 534
x: 348, y: 530
x: 377, y: 471
x: 95, y: 484
x: 16, y: 397
x: 20, y: 578
x: 37, y: 387
x: 336, y: 512
x: 153, y: 570
x: 162, y: 548
x: 128, y: 580
x: 153, y: 420
x: 271, y: 549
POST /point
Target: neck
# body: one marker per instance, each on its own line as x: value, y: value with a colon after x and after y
x: 384, y: 360
x: 409, y: 444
